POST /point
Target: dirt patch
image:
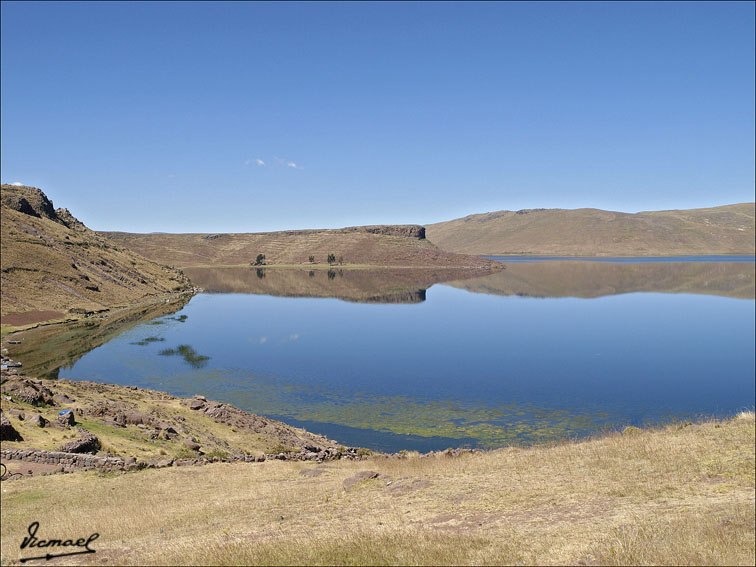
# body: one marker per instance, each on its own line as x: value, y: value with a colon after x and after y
x: 28, y: 469
x: 405, y: 486
x: 30, y: 317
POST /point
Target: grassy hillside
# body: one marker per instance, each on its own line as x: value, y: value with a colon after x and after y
x: 593, y: 232
x: 357, y: 246
x: 679, y: 495
x: 53, y: 266
x: 596, y: 279
x: 223, y: 432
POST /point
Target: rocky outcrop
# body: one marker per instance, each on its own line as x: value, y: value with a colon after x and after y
x: 86, y: 443
x: 241, y: 420
x: 29, y: 391
x: 29, y: 200
x: 66, y: 218
x: 7, y: 431
x: 405, y: 230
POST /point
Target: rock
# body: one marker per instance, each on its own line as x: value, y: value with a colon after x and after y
x: 86, y: 443
x: 360, y: 477
x: 192, y: 445
x: 29, y: 391
x: 405, y: 486
x: 66, y: 419
x: 7, y: 431
x: 196, y: 404
x: 62, y: 399
x: 164, y: 463
x: 38, y: 420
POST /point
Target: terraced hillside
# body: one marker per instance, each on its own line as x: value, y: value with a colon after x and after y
x: 593, y: 232
x: 375, y: 246
x: 53, y: 266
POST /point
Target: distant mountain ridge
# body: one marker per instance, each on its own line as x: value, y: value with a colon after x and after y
x: 594, y: 232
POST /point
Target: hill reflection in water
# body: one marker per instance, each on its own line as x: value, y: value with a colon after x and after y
x: 399, y: 285
x: 596, y: 279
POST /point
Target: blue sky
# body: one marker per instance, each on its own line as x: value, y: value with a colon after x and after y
x: 235, y: 117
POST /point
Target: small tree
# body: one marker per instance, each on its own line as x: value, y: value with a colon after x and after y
x: 331, y: 258
x: 312, y: 259
x: 341, y: 260
x: 260, y: 260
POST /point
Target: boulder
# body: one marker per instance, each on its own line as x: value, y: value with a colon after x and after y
x: 66, y: 419
x: 86, y: 443
x: 38, y: 420
x: 7, y: 431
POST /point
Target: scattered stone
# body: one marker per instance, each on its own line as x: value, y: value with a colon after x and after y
x: 38, y: 420
x: 63, y: 399
x: 29, y: 391
x: 196, y: 404
x: 66, y: 419
x: 86, y: 443
x: 362, y: 476
x: 7, y: 431
x: 192, y: 445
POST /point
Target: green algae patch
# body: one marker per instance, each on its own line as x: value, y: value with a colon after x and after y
x: 490, y: 426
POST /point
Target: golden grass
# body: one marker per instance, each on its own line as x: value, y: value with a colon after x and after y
x: 682, y: 494
x: 593, y: 232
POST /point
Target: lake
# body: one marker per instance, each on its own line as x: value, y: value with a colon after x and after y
x: 417, y: 359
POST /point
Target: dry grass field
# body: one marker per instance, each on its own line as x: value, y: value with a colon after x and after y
x: 677, y: 495
x: 593, y: 232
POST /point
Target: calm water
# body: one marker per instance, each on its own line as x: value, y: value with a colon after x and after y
x: 459, y: 368
x: 626, y: 259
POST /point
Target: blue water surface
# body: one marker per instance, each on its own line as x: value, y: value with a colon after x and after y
x: 457, y: 369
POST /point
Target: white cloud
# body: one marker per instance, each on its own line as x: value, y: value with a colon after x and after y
x: 263, y: 340
x: 293, y: 165
x: 257, y: 161
x: 294, y: 337
x: 260, y: 162
x: 171, y: 175
x: 17, y: 184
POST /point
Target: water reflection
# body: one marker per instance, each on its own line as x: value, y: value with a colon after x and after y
x: 587, y: 279
x: 46, y: 349
x: 362, y: 286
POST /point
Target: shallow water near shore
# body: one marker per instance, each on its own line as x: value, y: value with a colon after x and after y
x: 452, y: 367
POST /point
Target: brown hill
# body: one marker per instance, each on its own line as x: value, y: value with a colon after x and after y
x: 53, y: 265
x: 596, y: 279
x: 366, y: 246
x: 593, y: 232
